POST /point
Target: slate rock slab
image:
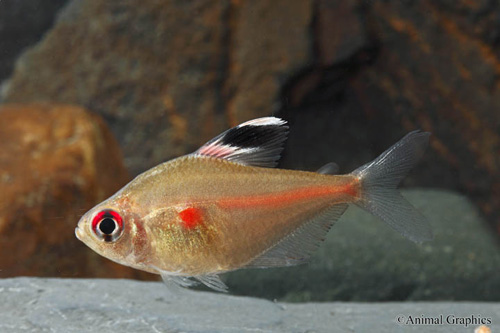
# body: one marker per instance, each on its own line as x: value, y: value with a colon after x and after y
x: 364, y: 260
x: 98, y: 305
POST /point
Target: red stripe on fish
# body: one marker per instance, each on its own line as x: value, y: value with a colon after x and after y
x: 281, y: 199
x: 191, y: 217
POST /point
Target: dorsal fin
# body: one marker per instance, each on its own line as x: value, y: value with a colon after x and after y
x: 257, y: 142
x: 331, y: 168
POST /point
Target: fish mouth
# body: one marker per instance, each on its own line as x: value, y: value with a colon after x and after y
x: 78, y: 233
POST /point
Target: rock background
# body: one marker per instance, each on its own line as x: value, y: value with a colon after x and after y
x: 56, y: 162
x: 166, y: 75
x: 22, y: 23
x: 352, y: 77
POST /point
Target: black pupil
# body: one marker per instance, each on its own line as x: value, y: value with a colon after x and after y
x: 107, y: 226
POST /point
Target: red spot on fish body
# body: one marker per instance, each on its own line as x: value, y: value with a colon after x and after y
x: 191, y: 217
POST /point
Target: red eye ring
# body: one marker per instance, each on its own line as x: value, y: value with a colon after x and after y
x: 108, y: 216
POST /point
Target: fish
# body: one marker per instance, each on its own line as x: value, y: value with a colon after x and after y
x: 225, y: 207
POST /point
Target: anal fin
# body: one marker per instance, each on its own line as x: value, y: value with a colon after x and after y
x: 212, y: 281
x: 297, y: 247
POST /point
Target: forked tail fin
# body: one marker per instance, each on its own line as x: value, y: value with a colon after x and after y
x: 379, y: 180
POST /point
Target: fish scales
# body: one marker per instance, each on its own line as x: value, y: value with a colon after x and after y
x: 248, y: 209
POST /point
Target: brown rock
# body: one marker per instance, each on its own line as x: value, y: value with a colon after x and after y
x: 438, y: 70
x: 168, y: 75
x: 56, y: 162
x: 431, y: 65
x: 269, y: 41
x: 22, y: 23
x: 339, y: 31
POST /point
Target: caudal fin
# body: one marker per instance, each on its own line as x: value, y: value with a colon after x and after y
x: 379, y: 180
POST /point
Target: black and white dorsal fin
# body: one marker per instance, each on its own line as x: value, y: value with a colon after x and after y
x: 257, y: 142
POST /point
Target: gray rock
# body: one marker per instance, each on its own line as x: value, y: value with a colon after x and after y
x: 71, y: 305
x: 364, y: 260
x: 167, y: 75
x: 22, y: 23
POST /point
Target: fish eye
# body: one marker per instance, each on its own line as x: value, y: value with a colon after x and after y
x: 107, y: 225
